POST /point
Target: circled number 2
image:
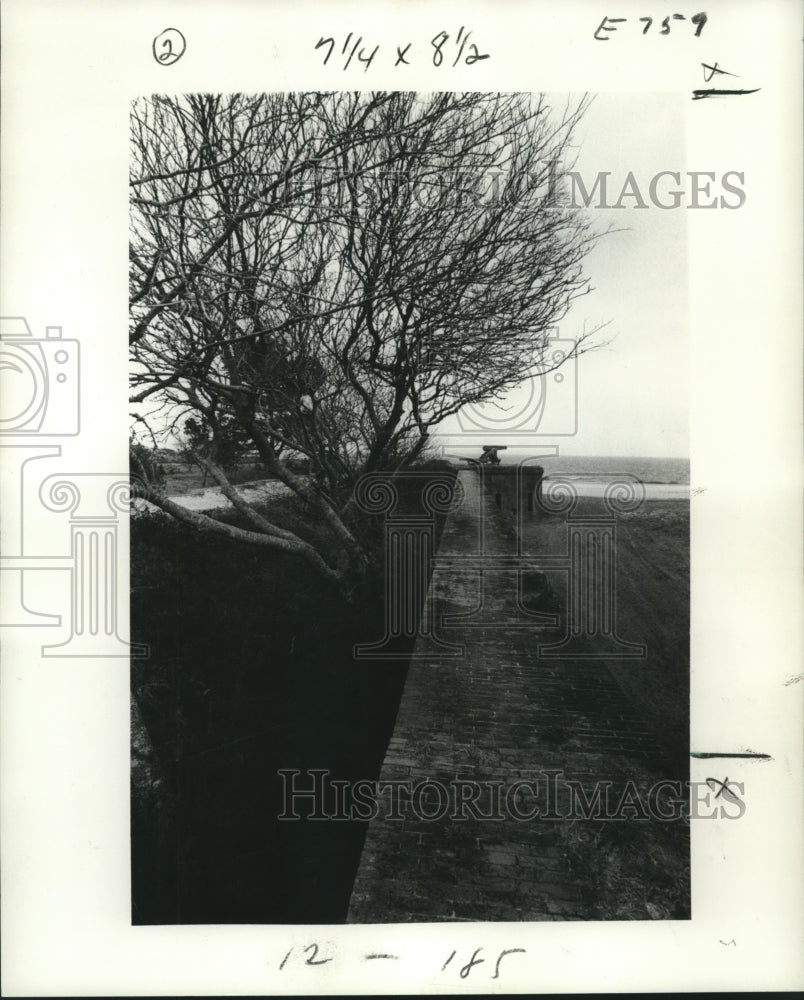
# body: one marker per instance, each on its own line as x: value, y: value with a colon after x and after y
x: 169, y: 46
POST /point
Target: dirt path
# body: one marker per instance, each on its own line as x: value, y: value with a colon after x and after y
x: 213, y: 499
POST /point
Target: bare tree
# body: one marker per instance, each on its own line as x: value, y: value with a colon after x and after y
x: 331, y: 275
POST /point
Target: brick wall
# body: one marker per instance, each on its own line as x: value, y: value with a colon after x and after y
x: 498, y: 714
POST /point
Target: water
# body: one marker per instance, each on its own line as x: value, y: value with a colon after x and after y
x: 664, y: 478
x: 675, y: 471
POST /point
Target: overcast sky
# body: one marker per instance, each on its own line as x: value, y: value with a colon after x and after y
x: 632, y: 395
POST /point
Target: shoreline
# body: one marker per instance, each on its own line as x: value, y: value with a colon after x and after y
x: 596, y: 488
x: 260, y: 490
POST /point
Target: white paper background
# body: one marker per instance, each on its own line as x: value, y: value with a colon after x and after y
x: 68, y: 74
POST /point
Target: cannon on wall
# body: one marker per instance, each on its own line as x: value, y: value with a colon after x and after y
x: 490, y: 456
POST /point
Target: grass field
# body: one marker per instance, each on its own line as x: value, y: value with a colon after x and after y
x: 652, y: 608
x: 623, y: 864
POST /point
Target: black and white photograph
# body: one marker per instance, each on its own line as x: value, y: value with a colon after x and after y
x: 412, y: 561
x: 400, y: 498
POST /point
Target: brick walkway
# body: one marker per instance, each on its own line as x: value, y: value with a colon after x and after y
x: 499, y: 714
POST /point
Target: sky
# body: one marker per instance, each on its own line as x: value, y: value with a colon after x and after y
x: 632, y: 395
